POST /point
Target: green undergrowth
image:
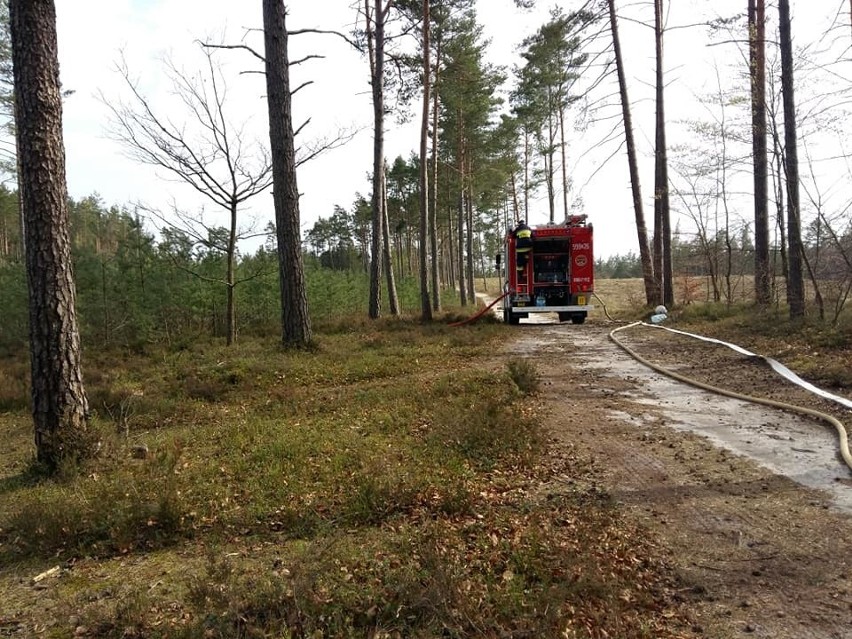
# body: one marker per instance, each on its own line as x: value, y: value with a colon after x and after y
x: 381, y: 483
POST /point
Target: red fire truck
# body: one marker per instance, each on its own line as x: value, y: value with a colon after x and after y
x: 555, y: 276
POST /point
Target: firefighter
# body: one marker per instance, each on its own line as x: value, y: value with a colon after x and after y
x: 523, y: 243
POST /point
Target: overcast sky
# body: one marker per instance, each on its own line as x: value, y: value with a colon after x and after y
x: 94, y: 34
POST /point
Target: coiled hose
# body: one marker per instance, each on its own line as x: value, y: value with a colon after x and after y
x: 802, y: 410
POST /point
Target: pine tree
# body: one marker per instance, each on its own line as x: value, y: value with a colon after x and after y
x: 60, y: 406
x: 295, y: 320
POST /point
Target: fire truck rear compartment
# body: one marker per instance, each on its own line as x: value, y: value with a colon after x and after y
x: 555, y: 275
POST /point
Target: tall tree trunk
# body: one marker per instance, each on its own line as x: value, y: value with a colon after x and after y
x: 231, y: 305
x: 59, y: 403
x: 757, y: 59
x: 433, y: 217
x: 460, y: 235
x: 295, y: 321
x: 820, y: 303
x: 460, y: 155
x: 527, y: 186
x: 399, y: 252
x: 548, y: 159
x: 376, y: 40
x: 409, y: 252
x: 393, y: 298
x: 729, y: 258
x: 452, y: 253
x: 516, y: 207
x: 4, y: 251
x: 778, y: 162
x: 564, y: 163
x: 661, y: 172
x: 470, y: 229
x: 795, y: 283
x: 105, y: 301
x: 651, y: 289
x: 425, y: 301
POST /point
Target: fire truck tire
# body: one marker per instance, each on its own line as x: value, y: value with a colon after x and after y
x: 564, y: 317
x: 578, y: 318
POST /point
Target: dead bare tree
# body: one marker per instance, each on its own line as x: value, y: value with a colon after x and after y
x: 204, y: 151
x: 698, y: 202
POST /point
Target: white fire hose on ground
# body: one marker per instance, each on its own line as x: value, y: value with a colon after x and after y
x: 778, y: 367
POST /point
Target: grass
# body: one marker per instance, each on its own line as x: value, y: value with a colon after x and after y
x: 387, y: 482
x: 381, y: 484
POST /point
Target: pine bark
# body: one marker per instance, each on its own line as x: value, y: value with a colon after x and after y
x: 59, y: 403
x: 795, y: 279
x: 757, y: 59
x: 425, y: 300
x: 295, y: 321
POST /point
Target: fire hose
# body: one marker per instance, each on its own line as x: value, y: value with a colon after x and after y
x: 480, y: 313
x: 802, y: 410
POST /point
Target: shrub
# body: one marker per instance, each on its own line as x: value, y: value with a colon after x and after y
x: 525, y: 375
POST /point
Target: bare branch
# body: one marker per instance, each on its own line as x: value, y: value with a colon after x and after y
x: 346, y: 38
x: 244, y: 47
x: 313, y: 56
x: 302, y: 126
x: 301, y: 86
x: 319, y: 147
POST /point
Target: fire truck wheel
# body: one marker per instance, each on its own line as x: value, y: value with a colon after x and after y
x: 578, y: 318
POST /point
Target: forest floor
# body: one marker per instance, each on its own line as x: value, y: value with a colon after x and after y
x: 410, y: 480
x: 751, y: 505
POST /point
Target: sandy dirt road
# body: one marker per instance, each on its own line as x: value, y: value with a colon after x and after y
x: 752, y: 505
